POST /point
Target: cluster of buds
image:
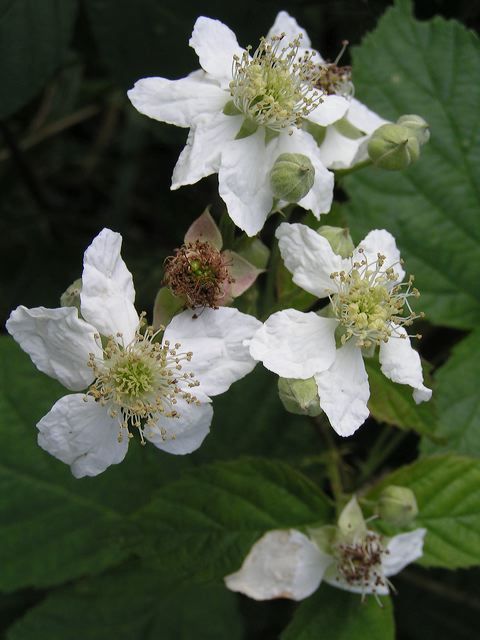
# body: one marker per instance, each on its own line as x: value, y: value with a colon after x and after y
x: 396, y: 146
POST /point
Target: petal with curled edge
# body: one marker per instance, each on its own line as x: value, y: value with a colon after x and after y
x: 185, y: 432
x: 401, y: 363
x: 58, y: 342
x: 107, y: 288
x: 177, y: 102
x: 309, y: 258
x: 380, y: 241
x: 402, y: 550
x: 202, y: 153
x: 344, y: 390
x: 215, y: 45
x: 78, y: 431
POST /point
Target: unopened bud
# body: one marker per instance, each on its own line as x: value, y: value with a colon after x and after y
x: 299, y: 396
x: 71, y: 297
x: 292, y: 177
x: 393, y: 147
x: 340, y: 240
x: 397, y: 505
x: 417, y: 125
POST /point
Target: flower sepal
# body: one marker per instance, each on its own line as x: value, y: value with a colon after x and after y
x: 299, y: 396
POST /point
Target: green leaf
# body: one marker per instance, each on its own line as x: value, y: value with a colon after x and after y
x: 34, y: 37
x: 393, y: 403
x: 263, y: 429
x: 53, y: 527
x: 130, y: 604
x: 333, y: 614
x: 204, y: 524
x: 428, y: 68
x: 446, y: 488
x: 458, y: 400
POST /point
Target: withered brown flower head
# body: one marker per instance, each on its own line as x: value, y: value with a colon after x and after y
x: 198, y: 272
x: 335, y: 80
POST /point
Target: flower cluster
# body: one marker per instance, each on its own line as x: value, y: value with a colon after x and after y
x: 274, y: 123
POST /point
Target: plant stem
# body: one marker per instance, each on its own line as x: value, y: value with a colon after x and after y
x: 381, y: 451
x: 333, y: 461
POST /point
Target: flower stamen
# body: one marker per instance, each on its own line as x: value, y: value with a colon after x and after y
x: 369, y: 304
x: 275, y: 88
x: 141, y: 381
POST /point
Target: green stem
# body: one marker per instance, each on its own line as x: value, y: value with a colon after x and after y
x: 333, y: 462
x: 381, y: 451
x: 339, y: 173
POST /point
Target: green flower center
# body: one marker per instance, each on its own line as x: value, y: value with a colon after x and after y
x: 142, y: 381
x: 369, y: 304
x: 132, y: 376
x: 275, y: 88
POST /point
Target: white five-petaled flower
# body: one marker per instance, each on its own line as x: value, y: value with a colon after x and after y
x: 244, y: 111
x: 129, y: 377
x: 367, y: 298
x: 289, y: 564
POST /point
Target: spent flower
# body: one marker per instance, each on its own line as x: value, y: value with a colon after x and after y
x: 290, y: 564
x: 201, y: 275
x: 130, y: 376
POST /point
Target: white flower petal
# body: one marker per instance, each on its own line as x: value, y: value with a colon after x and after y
x: 177, y: 102
x: 203, y: 149
x: 218, y: 339
x: 293, y: 344
x: 284, y: 23
x: 107, y: 288
x: 215, y: 44
x: 244, y: 181
x: 344, y: 390
x: 58, y: 343
x: 402, y: 550
x: 282, y: 564
x: 331, y: 109
x: 185, y: 433
x: 362, y: 118
x: 381, y: 241
x: 309, y: 258
x: 79, y: 432
x: 338, y: 151
x: 401, y: 363
x: 319, y: 198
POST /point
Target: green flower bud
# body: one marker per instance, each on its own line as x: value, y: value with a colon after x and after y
x: 393, y: 147
x: 417, y: 125
x: 292, y: 177
x: 397, y: 505
x: 340, y: 240
x: 71, y: 296
x: 299, y: 396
